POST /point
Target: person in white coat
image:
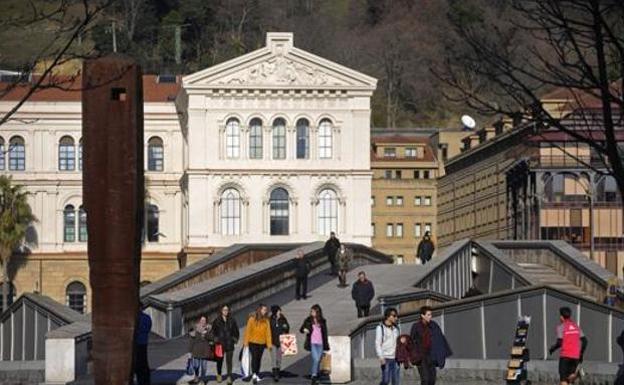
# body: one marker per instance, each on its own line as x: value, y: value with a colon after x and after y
x: 386, y: 336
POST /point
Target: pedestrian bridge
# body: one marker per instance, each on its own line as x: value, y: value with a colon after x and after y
x: 479, y: 328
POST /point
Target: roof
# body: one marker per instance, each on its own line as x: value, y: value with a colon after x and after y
x: 428, y: 156
x: 68, y: 90
x: 61, y: 311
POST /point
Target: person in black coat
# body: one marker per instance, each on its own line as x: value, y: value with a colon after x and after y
x: 362, y: 293
x: 317, y: 339
x: 225, y: 331
x: 279, y: 326
x: 430, y: 346
x: 425, y: 249
x: 302, y: 269
x: 331, y: 248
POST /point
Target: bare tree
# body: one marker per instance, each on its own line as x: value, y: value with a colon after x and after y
x: 504, y: 64
x: 57, y: 30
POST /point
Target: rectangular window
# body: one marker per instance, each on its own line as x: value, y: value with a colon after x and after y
x: 372, y: 201
x: 426, y: 174
x: 399, y: 201
x: 389, y: 152
x: 389, y: 201
x: 388, y: 174
x: 427, y: 227
x: 444, y: 152
x: 417, y: 201
x: 398, y: 174
x: 416, y: 174
x: 279, y: 142
x: 399, y: 259
x: 427, y: 201
x: 399, y: 230
x: 417, y: 230
x: 255, y: 141
x: 410, y: 152
x: 373, y: 229
x: 389, y: 230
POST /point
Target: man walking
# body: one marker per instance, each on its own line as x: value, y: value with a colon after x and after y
x: 572, y: 342
x: 425, y: 249
x: 430, y: 346
x: 302, y: 269
x: 331, y: 247
x: 141, y: 365
x: 386, y: 336
x: 362, y: 293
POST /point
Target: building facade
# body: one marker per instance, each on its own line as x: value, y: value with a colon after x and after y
x: 268, y: 147
x: 403, y: 196
x: 277, y: 143
x: 519, y: 182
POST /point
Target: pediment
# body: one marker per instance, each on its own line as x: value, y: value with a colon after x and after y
x: 279, y: 65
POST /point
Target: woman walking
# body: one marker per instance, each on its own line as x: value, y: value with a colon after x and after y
x: 257, y: 337
x: 344, y: 257
x: 317, y: 341
x: 226, y: 334
x: 279, y: 326
x: 199, y: 349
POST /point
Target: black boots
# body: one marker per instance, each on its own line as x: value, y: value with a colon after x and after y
x: 276, y: 374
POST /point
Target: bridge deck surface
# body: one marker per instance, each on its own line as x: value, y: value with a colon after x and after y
x: 168, y: 357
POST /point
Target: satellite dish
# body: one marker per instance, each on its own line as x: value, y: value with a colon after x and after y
x: 468, y: 122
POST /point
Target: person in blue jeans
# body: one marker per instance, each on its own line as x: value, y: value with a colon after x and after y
x: 317, y: 341
x: 386, y: 337
x: 199, y: 348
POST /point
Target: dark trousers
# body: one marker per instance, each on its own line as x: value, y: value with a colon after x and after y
x: 342, y: 277
x: 228, y: 363
x: 427, y: 371
x: 141, y: 366
x: 334, y: 265
x: 301, y: 287
x: 363, y: 310
x: 256, y: 352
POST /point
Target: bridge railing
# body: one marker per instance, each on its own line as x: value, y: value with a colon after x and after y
x: 483, y: 327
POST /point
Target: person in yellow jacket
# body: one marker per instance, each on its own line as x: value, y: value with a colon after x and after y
x: 257, y: 337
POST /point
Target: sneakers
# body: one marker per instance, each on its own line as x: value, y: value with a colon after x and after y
x: 219, y: 378
x: 229, y: 380
x: 255, y: 379
x: 315, y: 380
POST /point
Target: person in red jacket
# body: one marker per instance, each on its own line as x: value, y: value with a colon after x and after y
x: 572, y: 342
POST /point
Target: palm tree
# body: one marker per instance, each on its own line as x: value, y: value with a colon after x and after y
x: 15, y: 217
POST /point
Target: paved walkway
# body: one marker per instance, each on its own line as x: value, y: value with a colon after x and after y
x: 169, y: 357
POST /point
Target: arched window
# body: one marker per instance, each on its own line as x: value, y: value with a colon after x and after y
x: 2, y: 150
x: 303, y: 139
x: 232, y: 138
x: 66, y: 154
x: 69, y: 224
x: 17, y: 154
x: 278, y: 207
x: 151, y: 227
x: 10, y: 297
x: 80, y: 155
x: 327, y: 212
x: 255, y: 139
x: 279, y: 139
x: 155, y: 154
x: 325, y: 139
x: 230, y: 212
x: 607, y: 190
x: 82, y: 225
x: 76, y: 294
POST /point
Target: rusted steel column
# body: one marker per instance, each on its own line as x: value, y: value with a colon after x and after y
x: 113, y: 188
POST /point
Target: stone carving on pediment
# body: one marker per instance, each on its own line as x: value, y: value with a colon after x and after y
x: 280, y: 70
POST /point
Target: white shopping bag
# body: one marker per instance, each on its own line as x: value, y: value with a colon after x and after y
x: 245, y: 362
x: 288, y: 344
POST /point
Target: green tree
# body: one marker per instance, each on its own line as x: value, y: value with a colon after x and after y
x: 15, y: 217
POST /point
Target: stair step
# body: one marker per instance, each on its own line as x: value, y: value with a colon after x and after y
x: 548, y: 276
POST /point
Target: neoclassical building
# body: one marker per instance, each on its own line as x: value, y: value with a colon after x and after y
x: 276, y: 149
x: 272, y: 146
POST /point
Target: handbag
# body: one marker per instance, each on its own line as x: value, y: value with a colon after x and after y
x: 288, y: 344
x: 218, y: 351
x: 325, y: 366
x: 245, y: 362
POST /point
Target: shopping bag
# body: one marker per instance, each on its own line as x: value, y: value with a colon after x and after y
x: 245, y: 360
x: 288, y: 344
x: 325, y: 366
x: 218, y: 351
